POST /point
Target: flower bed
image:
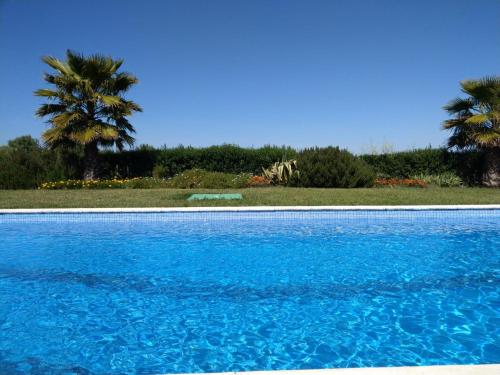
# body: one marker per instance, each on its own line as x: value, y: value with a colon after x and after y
x: 256, y: 181
x: 115, y: 183
x: 405, y: 182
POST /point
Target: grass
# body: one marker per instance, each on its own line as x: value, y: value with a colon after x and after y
x: 273, y: 196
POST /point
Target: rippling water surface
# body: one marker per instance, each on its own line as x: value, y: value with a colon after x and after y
x: 170, y: 293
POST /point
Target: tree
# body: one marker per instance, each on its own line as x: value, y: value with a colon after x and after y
x: 22, y: 164
x: 476, y: 123
x: 24, y: 143
x: 86, y: 105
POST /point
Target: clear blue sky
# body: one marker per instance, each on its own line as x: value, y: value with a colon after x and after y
x: 352, y: 73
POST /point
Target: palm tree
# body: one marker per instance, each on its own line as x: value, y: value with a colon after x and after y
x: 476, y: 123
x: 86, y: 105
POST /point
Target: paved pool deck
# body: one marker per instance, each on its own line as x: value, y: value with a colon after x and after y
x: 493, y: 369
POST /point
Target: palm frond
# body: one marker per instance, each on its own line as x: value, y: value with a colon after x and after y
x: 110, y: 100
x: 485, y: 90
x: 50, y: 109
x: 47, y: 93
x: 123, y: 124
x: 53, y: 135
x: 76, y: 62
x: 66, y: 119
x: 488, y: 138
x: 479, y: 119
x: 58, y: 65
x: 121, y: 82
x: 459, y: 105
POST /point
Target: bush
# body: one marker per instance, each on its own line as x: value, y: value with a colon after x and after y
x: 447, y: 179
x: 332, y: 167
x: 199, y: 178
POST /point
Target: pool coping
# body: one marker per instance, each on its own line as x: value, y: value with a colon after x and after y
x: 250, y: 209
x: 487, y: 369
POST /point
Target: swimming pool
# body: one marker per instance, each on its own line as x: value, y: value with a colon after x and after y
x: 232, y: 291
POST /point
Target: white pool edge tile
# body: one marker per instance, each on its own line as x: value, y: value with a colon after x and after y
x: 491, y: 369
x: 249, y: 209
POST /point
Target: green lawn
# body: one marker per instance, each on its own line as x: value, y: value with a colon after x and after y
x: 275, y: 196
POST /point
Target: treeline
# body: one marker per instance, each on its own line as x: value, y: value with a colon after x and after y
x: 25, y: 164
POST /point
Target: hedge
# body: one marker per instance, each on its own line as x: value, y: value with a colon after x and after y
x: 225, y: 158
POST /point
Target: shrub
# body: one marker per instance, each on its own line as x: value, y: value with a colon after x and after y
x: 332, y: 167
x: 446, y: 179
x: 199, y: 178
x: 406, y: 182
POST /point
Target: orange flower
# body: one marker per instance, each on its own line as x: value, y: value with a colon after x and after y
x: 258, y: 181
x: 408, y: 182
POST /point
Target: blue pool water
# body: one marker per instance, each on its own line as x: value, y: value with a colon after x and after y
x: 188, y: 292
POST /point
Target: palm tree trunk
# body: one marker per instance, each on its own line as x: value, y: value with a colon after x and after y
x: 90, y: 161
x: 491, y: 176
